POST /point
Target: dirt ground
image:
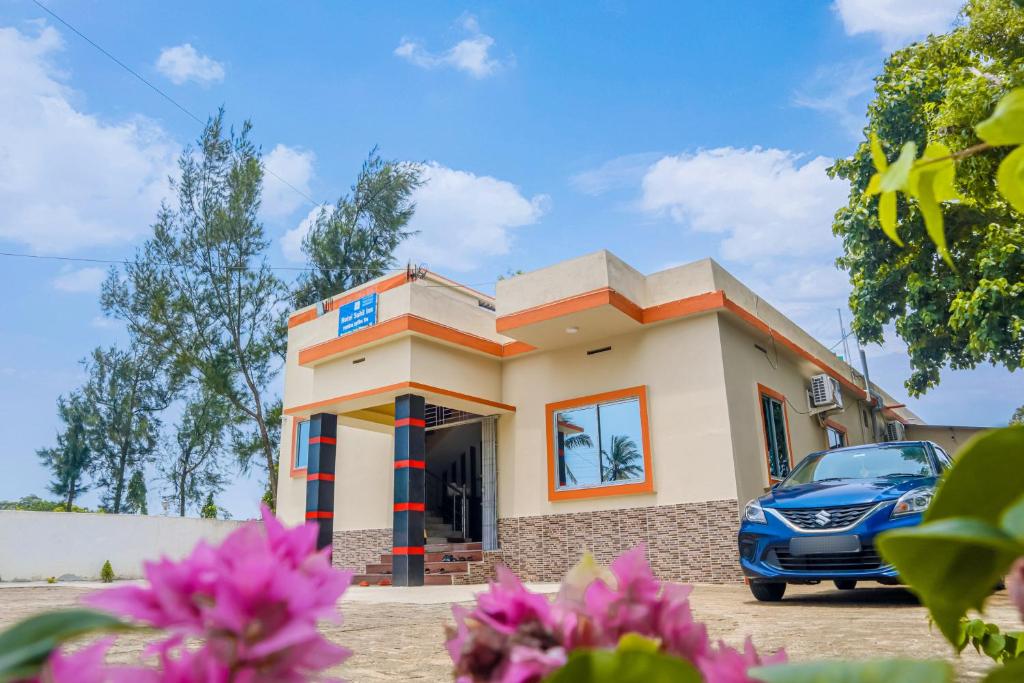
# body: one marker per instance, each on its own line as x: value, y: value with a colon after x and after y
x: 404, y: 641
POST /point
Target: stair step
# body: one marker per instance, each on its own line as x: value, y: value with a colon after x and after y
x: 432, y: 567
x: 438, y: 580
x: 449, y: 547
x: 470, y: 555
x: 428, y: 579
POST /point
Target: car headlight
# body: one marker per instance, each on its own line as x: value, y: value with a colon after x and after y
x: 913, y: 502
x: 754, y: 513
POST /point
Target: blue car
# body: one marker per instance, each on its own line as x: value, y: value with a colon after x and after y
x: 820, y: 522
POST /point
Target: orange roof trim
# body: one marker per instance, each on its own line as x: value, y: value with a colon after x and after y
x: 338, y: 301
x: 306, y: 407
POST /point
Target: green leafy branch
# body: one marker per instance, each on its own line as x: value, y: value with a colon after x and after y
x: 930, y: 179
x: 970, y: 537
x: 988, y: 639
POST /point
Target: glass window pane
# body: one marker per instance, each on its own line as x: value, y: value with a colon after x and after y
x: 599, y: 445
x: 621, y: 453
x: 302, y: 445
x: 775, y: 434
x: 836, y: 438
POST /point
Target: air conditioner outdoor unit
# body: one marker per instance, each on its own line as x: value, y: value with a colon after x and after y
x: 895, y: 431
x: 825, y: 394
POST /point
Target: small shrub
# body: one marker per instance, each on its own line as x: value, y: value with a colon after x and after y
x: 107, y: 573
x: 51, y: 579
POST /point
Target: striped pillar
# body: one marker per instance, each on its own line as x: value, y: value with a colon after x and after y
x: 410, y: 494
x: 323, y: 438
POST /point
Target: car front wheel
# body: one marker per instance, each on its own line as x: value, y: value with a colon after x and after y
x: 845, y: 584
x: 767, y: 592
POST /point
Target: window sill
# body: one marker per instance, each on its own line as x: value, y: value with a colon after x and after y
x: 639, y: 487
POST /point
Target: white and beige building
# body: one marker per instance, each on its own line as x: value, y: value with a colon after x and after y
x: 585, y: 405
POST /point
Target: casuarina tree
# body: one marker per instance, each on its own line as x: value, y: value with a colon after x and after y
x: 355, y: 240
x: 201, y: 290
x: 70, y: 461
x: 192, y: 461
x: 126, y: 391
x: 135, y: 498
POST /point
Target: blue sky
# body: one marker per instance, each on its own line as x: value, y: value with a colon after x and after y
x: 665, y: 132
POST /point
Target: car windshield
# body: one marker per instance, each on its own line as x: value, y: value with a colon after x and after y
x: 867, y: 462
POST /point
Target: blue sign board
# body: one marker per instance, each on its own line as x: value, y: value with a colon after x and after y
x: 355, y: 315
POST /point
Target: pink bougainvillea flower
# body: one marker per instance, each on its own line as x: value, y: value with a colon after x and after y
x: 88, y: 665
x: 637, y: 602
x: 510, y: 637
x: 1015, y: 585
x: 255, y: 602
x: 724, y: 664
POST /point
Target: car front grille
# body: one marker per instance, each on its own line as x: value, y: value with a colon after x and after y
x: 825, y: 518
x: 867, y: 559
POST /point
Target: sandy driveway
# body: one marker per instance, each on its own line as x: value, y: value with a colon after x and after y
x: 397, y: 633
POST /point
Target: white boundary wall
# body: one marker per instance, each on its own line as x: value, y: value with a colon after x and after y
x: 37, y: 545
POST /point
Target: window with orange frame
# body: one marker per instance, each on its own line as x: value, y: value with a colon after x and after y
x: 599, y: 445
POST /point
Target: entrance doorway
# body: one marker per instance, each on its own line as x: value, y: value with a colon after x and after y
x: 454, y: 483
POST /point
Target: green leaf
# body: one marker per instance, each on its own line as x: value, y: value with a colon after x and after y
x: 988, y: 478
x: 874, y: 185
x: 634, y: 642
x: 887, y: 216
x: 630, y: 666
x: 1011, y: 672
x: 931, y: 211
x: 952, y: 564
x: 993, y: 644
x: 882, y: 671
x: 1006, y: 125
x: 1013, y: 519
x: 26, y: 645
x: 895, y: 177
x: 877, y: 154
x: 1010, y: 178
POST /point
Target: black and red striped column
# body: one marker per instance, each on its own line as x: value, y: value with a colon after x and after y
x: 323, y: 439
x: 410, y: 491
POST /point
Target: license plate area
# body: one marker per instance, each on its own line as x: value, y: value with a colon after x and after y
x: 824, y: 545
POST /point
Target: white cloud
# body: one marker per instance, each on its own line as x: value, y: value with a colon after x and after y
x: 471, y: 55
x: 617, y: 174
x: 764, y: 201
x: 897, y: 22
x: 839, y: 91
x: 291, y: 241
x: 183, y: 63
x: 81, y: 280
x: 67, y: 179
x: 462, y: 217
x: 294, y: 166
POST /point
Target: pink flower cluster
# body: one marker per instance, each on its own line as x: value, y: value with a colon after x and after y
x: 244, y: 611
x: 515, y: 636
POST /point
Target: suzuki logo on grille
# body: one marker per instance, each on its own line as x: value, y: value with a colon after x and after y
x: 823, y: 517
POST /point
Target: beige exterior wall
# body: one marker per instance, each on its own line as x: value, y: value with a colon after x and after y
x: 687, y: 411
x: 745, y: 368
x: 949, y: 437
x: 701, y: 373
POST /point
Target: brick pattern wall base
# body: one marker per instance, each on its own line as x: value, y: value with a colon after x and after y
x: 689, y: 542
x: 356, y: 549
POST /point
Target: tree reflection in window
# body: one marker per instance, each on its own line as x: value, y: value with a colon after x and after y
x: 598, y: 444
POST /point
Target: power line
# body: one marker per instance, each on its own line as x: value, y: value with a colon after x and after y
x: 125, y: 262
x: 160, y: 92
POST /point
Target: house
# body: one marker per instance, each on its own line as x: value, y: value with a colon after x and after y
x: 585, y: 406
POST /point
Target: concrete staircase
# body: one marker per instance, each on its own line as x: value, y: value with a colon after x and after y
x: 437, y: 571
x: 438, y: 532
